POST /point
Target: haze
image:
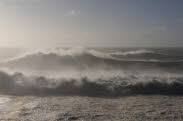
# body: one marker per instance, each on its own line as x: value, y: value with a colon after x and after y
x: 50, y: 23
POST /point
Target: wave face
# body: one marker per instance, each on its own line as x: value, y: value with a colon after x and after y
x: 93, y: 72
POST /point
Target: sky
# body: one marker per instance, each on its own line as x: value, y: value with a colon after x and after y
x: 117, y: 23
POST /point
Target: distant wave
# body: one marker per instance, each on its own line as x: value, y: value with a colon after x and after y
x: 78, y: 51
x: 147, y: 55
x: 18, y: 84
x: 87, y: 59
x: 135, y: 52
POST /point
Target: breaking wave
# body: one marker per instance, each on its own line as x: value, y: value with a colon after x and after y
x: 90, y: 72
x: 87, y: 59
x: 19, y: 84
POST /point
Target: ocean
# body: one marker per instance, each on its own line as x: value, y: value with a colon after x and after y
x: 97, y: 74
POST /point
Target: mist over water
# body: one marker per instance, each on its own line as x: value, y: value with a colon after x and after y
x: 93, y: 72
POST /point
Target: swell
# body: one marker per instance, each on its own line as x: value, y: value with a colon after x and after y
x: 18, y: 84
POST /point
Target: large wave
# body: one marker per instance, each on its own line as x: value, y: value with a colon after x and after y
x: 81, y: 59
x: 19, y: 84
x: 90, y: 72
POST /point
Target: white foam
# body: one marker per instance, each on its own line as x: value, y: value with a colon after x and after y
x: 4, y: 100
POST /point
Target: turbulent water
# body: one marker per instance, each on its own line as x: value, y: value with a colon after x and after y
x: 94, y: 72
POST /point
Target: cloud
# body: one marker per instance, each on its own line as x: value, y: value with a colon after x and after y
x: 73, y: 12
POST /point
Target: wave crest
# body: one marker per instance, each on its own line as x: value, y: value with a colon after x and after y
x: 135, y: 52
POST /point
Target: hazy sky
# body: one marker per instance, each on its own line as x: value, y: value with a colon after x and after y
x: 49, y: 23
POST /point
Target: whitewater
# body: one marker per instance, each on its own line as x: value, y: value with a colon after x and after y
x: 111, y: 73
